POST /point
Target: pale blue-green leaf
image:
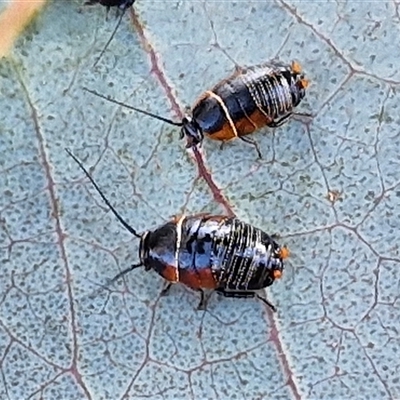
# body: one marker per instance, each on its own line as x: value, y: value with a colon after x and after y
x: 329, y: 186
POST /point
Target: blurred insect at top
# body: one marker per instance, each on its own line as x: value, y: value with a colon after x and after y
x: 249, y: 99
x: 122, y: 6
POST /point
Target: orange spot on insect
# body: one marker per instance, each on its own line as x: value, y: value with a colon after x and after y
x: 277, y: 274
x: 304, y: 83
x: 248, y: 124
x: 202, y: 279
x: 296, y: 67
x: 284, y: 253
x: 170, y: 273
x: 225, y: 133
x: 244, y: 126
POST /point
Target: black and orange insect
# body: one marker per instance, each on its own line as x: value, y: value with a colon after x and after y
x: 122, y: 6
x: 207, y: 252
x: 251, y: 98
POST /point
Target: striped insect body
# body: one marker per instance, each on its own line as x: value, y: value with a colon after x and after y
x: 213, y: 252
x: 252, y: 97
x: 249, y: 99
x: 205, y: 251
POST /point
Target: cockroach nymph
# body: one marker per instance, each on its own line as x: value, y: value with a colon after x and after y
x: 122, y: 6
x: 205, y: 251
x: 249, y: 99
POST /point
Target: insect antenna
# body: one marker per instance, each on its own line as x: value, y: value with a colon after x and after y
x: 112, y: 36
x: 124, y: 272
x: 139, y: 110
x: 114, y: 211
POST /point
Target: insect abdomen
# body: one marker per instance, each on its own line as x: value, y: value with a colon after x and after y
x: 247, y: 258
x: 249, y: 99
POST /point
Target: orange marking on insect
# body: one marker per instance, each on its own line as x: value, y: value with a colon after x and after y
x: 296, y: 67
x: 169, y: 272
x: 277, y: 274
x: 304, y: 83
x: 251, y: 123
x: 202, y: 279
x: 284, y: 253
x: 225, y: 133
x: 244, y: 126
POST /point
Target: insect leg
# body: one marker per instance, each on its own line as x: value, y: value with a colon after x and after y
x: 119, y: 15
x: 270, y: 305
x: 280, y: 121
x: 299, y: 114
x: 238, y: 293
x: 253, y: 143
x: 275, y: 236
x: 302, y: 116
x: 202, y: 304
x: 235, y: 293
x: 166, y: 288
x: 203, y: 301
x: 124, y: 272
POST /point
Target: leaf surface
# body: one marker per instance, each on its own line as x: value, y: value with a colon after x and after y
x: 328, y: 185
